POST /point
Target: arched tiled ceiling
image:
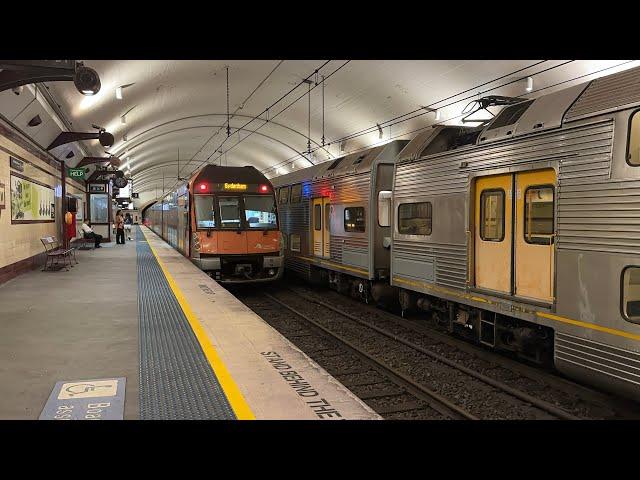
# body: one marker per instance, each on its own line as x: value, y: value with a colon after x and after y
x: 181, y: 105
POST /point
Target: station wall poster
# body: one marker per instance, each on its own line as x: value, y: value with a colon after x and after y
x: 31, y: 201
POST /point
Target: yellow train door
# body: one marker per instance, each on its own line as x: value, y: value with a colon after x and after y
x: 493, y: 237
x: 316, y: 226
x: 327, y: 222
x: 534, y: 242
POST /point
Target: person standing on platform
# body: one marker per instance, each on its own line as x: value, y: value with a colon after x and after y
x: 128, y: 221
x: 119, y: 228
x: 89, y: 233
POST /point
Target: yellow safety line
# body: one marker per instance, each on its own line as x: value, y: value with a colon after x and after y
x: 591, y: 326
x: 231, y: 390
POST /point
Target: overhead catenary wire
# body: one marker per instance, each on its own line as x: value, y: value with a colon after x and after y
x: 463, y: 114
x: 399, y: 119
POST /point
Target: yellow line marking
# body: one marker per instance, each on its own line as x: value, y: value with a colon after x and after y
x: 591, y: 326
x: 231, y: 390
x: 337, y: 265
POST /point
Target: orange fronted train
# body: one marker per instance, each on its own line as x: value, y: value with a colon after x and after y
x: 224, y: 219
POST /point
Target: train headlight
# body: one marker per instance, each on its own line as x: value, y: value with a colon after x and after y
x: 272, y: 272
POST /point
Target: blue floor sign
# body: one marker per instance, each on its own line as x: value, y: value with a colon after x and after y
x: 101, y: 399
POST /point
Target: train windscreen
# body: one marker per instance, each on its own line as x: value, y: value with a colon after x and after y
x: 205, y: 217
x: 260, y: 211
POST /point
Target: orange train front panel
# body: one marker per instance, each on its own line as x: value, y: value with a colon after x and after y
x: 263, y: 241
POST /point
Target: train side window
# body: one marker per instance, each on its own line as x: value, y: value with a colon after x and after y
x: 538, y: 214
x: 633, y: 146
x: 205, y: 217
x: 631, y: 294
x: 296, y: 193
x: 384, y: 208
x: 317, y: 217
x: 295, y: 242
x: 283, y: 195
x: 415, y: 218
x: 492, y: 215
x: 354, y: 219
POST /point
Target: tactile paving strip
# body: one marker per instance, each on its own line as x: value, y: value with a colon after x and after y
x: 176, y: 380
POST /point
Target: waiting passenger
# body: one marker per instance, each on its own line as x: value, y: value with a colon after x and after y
x: 128, y: 221
x: 89, y: 233
x: 119, y: 228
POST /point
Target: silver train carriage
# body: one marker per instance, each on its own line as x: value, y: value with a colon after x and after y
x: 529, y: 239
x: 330, y: 218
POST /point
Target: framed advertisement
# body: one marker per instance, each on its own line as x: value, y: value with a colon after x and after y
x: 31, y: 201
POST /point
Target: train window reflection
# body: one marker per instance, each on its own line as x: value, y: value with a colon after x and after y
x: 538, y: 215
x: 415, y: 218
x: 492, y: 215
x: 296, y: 193
x: 260, y: 211
x: 354, y: 219
x: 229, y: 212
x: 633, y: 153
x: 631, y: 294
x: 205, y: 217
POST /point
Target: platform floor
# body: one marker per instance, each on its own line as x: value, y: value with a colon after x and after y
x: 104, y: 319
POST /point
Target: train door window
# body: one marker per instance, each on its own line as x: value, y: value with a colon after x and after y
x: 229, y: 212
x: 384, y: 208
x: 283, y: 195
x: 317, y: 217
x: 205, y: 217
x: 327, y: 217
x: 354, y: 219
x: 415, y: 218
x: 296, y: 193
x: 492, y: 215
x: 633, y: 147
x: 260, y: 211
x: 538, y: 214
x: 295, y: 242
x: 631, y: 294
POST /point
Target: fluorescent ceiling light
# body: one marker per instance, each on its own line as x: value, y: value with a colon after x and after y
x: 437, y: 114
x: 529, y: 84
x: 119, y: 93
x: 123, y: 119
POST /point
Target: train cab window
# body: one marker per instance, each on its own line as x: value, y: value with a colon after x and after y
x: 260, y: 211
x: 631, y: 294
x: 354, y: 219
x: 633, y: 149
x: 317, y: 217
x: 229, y: 212
x: 205, y: 217
x: 415, y: 218
x: 384, y: 208
x: 296, y: 193
x: 538, y: 215
x: 295, y: 242
x: 283, y: 195
x: 492, y: 215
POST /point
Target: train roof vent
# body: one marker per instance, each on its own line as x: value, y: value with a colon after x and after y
x: 335, y: 163
x: 358, y: 160
x: 510, y: 115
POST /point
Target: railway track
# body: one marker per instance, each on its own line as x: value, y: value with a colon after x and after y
x: 577, y: 399
x: 410, y: 380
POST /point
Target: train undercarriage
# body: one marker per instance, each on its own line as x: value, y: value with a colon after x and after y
x: 527, y: 341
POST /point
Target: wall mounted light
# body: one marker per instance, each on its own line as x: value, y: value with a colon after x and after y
x: 35, y: 121
x: 529, y: 84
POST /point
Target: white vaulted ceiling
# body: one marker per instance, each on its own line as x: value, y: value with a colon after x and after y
x: 182, y: 105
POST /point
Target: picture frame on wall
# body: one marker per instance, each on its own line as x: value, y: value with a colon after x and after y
x: 3, y: 196
x: 31, y: 201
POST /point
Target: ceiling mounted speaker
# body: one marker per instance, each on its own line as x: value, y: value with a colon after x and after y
x: 86, y: 80
x: 70, y: 154
x: 35, y: 121
x: 106, y: 139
